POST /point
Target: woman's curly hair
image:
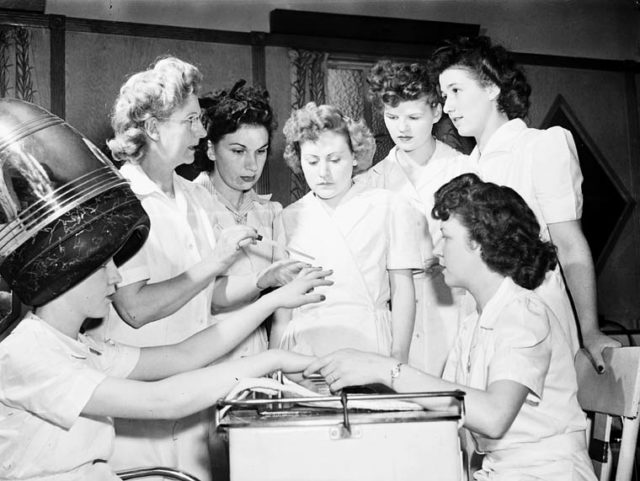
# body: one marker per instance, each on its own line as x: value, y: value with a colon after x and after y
x: 156, y: 92
x: 504, y: 226
x: 307, y: 123
x: 491, y: 64
x: 393, y: 82
x: 225, y: 111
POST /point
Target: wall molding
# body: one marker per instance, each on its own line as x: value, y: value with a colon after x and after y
x: 332, y: 45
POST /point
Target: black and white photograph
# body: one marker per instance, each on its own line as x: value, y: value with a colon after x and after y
x: 309, y: 240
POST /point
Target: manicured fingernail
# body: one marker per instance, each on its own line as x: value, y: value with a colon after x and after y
x: 322, y: 298
x: 600, y: 369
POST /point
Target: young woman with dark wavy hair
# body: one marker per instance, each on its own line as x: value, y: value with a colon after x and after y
x: 511, y: 356
x: 486, y: 95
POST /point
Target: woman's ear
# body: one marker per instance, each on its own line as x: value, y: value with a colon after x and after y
x: 474, y: 245
x: 494, y: 91
x: 210, y: 151
x: 151, y: 128
x: 437, y: 112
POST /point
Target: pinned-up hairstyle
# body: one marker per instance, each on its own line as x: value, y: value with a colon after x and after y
x: 504, y: 226
x: 490, y: 64
x: 393, y: 82
x: 157, y: 92
x: 225, y: 111
x: 307, y: 123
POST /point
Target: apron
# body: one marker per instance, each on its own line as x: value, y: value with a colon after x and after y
x: 350, y: 317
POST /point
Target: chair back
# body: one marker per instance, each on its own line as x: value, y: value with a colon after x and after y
x: 615, y: 393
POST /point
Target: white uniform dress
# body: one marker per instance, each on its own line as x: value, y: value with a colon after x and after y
x: 369, y: 232
x: 517, y: 338
x: 542, y: 166
x: 46, y: 379
x: 181, y: 235
x: 260, y: 213
x: 438, y: 307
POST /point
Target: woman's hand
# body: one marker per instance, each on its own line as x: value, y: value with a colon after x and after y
x: 291, y: 362
x: 229, y: 241
x: 279, y: 273
x: 300, y: 290
x: 595, y: 342
x: 349, y: 367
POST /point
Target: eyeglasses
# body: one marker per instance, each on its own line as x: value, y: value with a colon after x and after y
x: 194, y: 121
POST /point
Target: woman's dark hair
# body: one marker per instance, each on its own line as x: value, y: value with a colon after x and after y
x: 394, y: 82
x: 490, y: 64
x: 504, y: 226
x: 225, y: 111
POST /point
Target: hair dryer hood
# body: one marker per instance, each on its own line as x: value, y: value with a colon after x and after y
x: 64, y: 208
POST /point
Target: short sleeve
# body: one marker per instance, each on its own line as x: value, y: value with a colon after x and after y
x: 47, y: 383
x: 409, y: 239
x: 114, y: 359
x: 523, y: 345
x: 557, y: 176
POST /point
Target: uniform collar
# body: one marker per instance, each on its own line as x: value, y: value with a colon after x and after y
x: 142, y: 185
x: 502, y: 138
x: 503, y: 295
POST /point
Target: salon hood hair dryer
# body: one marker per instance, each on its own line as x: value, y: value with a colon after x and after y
x: 64, y: 208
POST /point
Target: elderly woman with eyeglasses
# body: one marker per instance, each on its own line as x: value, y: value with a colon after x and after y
x: 167, y: 288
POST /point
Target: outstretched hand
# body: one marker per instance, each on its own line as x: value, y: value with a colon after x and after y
x: 349, y: 367
x: 595, y: 342
x: 279, y: 273
x: 299, y: 291
x: 291, y: 362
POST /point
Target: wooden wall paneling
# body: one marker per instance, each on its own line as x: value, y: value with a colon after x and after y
x: 632, y: 82
x: 259, y: 73
x: 57, y: 64
x: 157, y: 31
x: 598, y: 99
x: 607, y: 202
x: 277, y: 74
x: 98, y: 64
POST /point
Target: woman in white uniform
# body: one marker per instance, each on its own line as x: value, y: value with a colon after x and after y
x: 239, y: 124
x: 511, y: 358
x: 487, y: 96
x: 166, y: 290
x: 61, y: 389
x: 368, y: 237
x: 416, y: 167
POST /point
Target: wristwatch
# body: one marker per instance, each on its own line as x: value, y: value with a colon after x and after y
x: 395, y: 373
